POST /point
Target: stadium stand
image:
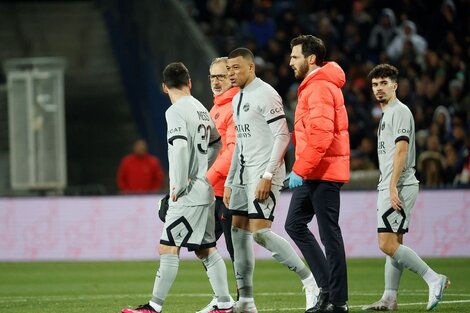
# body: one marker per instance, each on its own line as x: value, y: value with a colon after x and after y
x: 427, y: 40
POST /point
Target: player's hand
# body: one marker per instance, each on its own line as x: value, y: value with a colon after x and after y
x: 295, y: 180
x: 174, y: 195
x: 263, y: 189
x: 395, y: 199
x: 227, y: 194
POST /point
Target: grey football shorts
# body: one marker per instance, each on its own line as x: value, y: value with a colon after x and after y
x: 390, y: 220
x: 243, y: 202
x: 192, y: 227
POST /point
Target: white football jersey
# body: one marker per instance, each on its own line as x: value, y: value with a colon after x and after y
x: 262, y: 133
x: 397, y: 124
x: 188, y: 120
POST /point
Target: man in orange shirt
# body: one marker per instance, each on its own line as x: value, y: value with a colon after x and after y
x: 140, y: 172
x: 321, y: 167
x: 221, y: 114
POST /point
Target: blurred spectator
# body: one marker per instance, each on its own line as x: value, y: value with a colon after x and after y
x: 407, y: 41
x: 436, y: 70
x: 431, y: 164
x: 433, y: 144
x: 140, y: 172
x: 457, y: 101
x: 405, y: 93
x: 360, y: 162
x: 446, y: 22
x: 382, y: 33
x: 452, y: 164
x: 459, y: 136
x: 431, y: 167
x: 261, y: 28
x: 363, y: 158
x: 353, y: 43
x: 444, y: 123
x: 434, y: 80
x: 463, y: 178
x: 327, y: 31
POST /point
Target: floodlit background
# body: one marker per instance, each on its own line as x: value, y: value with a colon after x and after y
x: 80, y: 82
x: 85, y: 79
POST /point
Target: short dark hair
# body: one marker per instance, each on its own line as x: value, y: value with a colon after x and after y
x: 383, y: 71
x: 176, y: 75
x: 242, y: 52
x: 311, y: 45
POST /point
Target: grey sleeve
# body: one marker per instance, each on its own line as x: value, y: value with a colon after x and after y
x: 177, y: 137
x: 215, y: 144
x: 274, y: 115
x: 233, y: 167
x: 281, y: 142
x: 402, y: 124
x: 179, y: 165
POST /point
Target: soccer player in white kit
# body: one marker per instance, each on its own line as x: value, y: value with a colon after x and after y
x: 193, y: 145
x: 398, y: 190
x: 255, y: 178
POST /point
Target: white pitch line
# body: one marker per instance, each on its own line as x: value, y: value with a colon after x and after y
x: 404, y: 294
x: 423, y: 303
x: 360, y: 306
x: 198, y: 295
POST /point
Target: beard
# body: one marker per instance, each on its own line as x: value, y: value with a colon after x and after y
x: 382, y: 99
x: 302, y: 71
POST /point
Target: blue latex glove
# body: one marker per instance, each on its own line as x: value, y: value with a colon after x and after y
x: 295, y: 180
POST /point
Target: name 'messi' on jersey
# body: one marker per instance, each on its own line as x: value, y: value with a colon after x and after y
x: 203, y: 116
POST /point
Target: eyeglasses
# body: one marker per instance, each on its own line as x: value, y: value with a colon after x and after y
x: 219, y: 77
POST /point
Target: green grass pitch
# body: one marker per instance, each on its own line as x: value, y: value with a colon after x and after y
x: 106, y: 287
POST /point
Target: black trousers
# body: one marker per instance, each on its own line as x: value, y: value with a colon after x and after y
x: 320, y: 198
x: 223, y: 224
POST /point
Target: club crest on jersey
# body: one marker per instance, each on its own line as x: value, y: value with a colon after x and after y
x: 217, y: 116
x: 246, y: 107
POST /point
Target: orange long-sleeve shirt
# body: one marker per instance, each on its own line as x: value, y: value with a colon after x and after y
x: 221, y: 114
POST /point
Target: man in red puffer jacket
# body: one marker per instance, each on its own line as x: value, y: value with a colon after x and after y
x: 321, y: 168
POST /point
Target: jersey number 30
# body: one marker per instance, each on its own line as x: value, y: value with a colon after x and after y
x: 205, y: 133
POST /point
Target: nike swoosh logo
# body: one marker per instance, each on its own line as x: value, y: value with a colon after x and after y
x: 438, y: 295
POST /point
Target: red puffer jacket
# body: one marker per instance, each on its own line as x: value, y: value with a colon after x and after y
x: 321, y: 126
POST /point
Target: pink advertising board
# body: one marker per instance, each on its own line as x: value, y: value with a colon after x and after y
x: 127, y: 227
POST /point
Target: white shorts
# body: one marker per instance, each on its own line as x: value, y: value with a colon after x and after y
x: 388, y: 219
x: 243, y: 202
x: 192, y: 227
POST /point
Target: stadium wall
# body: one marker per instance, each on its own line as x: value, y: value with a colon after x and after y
x: 127, y: 227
